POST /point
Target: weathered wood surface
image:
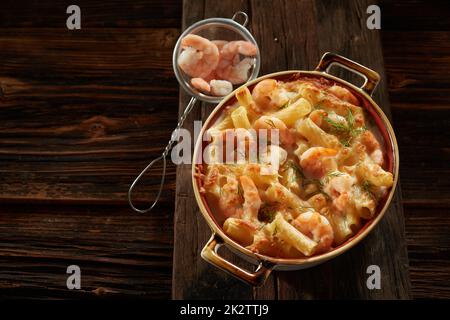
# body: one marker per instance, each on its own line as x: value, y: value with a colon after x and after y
x: 83, y: 112
x: 331, y: 26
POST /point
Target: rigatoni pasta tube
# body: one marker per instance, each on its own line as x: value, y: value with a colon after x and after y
x: 245, y: 99
x: 240, y: 118
x: 293, y: 112
x: 240, y: 230
x: 374, y: 174
x: 293, y: 237
x: 316, y: 136
x: 279, y: 193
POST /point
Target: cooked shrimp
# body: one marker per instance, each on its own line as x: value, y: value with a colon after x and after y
x: 318, y: 161
x: 211, y: 76
x: 264, y: 244
x: 272, y: 123
x: 373, y: 147
x: 340, y: 183
x: 230, y: 200
x: 230, y: 66
x: 236, y: 72
x: 339, y: 188
x: 267, y: 95
x: 201, y: 84
x: 344, y: 94
x: 220, y: 88
x: 199, y: 57
x: 333, y: 103
x: 321, y: 118
x: 211, y: 178
x: 240, y: 230
x: 316, y: 227
x: 317, y: 116
x: 219, y: 43
x: 233, y: 48
x: 252, y: 201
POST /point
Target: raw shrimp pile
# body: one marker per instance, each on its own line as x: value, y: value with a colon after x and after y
x: 215, y: 66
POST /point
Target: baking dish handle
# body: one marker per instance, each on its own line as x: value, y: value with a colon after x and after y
x: 371, y: 77
x: 256, y: 278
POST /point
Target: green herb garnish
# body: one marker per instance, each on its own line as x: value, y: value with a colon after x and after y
x: 336, y: 126
x: 334, y: 174
x: 285, y: 105
x: 367, y: 188
x: 240, y: 191
x: 270, y: 123
x: 267, y: 213
x: 346, y: 130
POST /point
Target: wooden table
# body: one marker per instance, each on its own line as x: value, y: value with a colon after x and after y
x: 83, y: 112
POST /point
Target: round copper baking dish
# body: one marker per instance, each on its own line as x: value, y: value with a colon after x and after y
x: 266, y: 264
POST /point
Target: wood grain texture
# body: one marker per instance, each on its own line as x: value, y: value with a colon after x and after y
x: 419, y: 89
x: 95, y: 13
x: 429, y: 250
x: 117, y: 256
x: 415, y: 15
x: 109, y: 98
x: 79, y: 112
x: 193, y: 278
x: 83, y: 112
x: 340, y: 29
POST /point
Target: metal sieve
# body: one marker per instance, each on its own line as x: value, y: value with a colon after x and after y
x: 212, y: 29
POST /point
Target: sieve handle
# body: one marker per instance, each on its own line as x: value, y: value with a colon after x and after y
x: 162, y: 157
x: 243, y: 14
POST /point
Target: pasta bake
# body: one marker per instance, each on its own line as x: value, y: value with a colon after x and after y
x: 318, y: 175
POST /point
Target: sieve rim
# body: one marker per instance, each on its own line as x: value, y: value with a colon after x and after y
x: 228, y: 23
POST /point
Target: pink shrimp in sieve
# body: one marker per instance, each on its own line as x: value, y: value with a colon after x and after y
x: 199, y: 57
x: 230, y: 66
x: 217, y: 88
x: 220, y: 88
x: 219, y: 43
x: 201, y: 84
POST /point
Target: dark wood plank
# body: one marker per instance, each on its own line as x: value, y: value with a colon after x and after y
x: 192, y: 277
x: 65, y: 139
x: 79, y: 112
x: 417, y: 64
x: 283, y: 48
x: 429, y: 250
x: 79, y: 119
x: 342, y: 30
x: 120, y: 253
x: 418, y: 88
x: 425, y: 158
x: 94, y: 13
x: 419, y: 91
x: 415, y: 15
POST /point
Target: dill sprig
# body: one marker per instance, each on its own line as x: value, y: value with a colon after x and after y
x: 240, y: 191
x: 285, y: 105
x: 333, y: 174
x: 366, y: 186
x: 305, y: 181
x: 267, y: 213
x: 270, y: 123
x: 336, y: 126
x: 290, y: 164
x: 347, y: 130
